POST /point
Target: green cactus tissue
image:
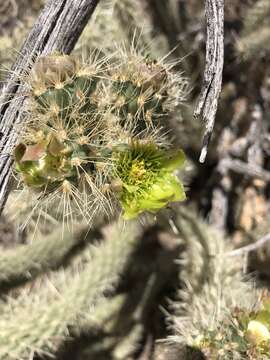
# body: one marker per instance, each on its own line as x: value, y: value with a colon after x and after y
x: 94, y: 139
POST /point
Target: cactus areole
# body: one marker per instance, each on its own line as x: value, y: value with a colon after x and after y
x: 69, y: 147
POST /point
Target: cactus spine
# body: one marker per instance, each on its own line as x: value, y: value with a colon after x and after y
x: 27, y: 261
x: 145, y: 90
x: 81, y: 117
x: 44, y: 324
x: 212, y: 314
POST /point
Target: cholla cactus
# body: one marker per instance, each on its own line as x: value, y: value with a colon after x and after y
x: 58, y: 152
x: 39, y: 321
x: 92, y: 139
x: 25, y: 262
x: 213, y: 315
x: 256, y: 31
x: 242, y: 334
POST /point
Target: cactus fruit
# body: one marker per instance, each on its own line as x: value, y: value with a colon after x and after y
x: 76, y: 147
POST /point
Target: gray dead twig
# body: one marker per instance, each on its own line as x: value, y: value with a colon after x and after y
x: 58, y: 27
x: 208, y: 100
x: 251, y: 247
x: 241, y: 167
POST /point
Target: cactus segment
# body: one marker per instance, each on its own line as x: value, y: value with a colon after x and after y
x: 139, y: 88
x: 60, y: 83
x: 91, y: 136
x: 245, y: 333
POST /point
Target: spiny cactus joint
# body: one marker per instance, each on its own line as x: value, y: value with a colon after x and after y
x: 91, y: 140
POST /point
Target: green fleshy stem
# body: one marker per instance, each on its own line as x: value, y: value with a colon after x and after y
x: 67, y: 97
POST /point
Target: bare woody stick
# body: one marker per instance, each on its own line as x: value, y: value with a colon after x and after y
x: 251, y: 247
x: 58, y: 27
x: 208, y: 99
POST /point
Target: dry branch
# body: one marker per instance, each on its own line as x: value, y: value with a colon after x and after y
x: 208, y: 99
x: 241, y: 167
x: 58, y: 27
x: 251, y: 247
